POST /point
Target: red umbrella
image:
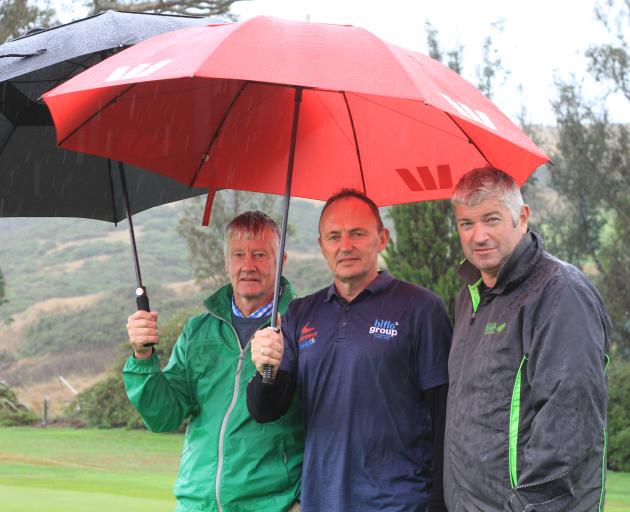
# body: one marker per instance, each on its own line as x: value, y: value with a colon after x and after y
x: 237, y: 105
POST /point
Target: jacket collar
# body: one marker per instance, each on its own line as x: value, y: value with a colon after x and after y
x: 518, y: 266
x: 220, y: 302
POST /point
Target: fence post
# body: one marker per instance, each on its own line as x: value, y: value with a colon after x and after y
x: 45, y: 422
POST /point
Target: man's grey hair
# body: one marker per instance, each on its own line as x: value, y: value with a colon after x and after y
x: 479, y: 185
x: 251, y: 225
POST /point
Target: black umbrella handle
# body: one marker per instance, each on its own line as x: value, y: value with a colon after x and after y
x: 142, y: 301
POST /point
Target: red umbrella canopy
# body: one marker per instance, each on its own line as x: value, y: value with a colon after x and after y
x: 212, y: 107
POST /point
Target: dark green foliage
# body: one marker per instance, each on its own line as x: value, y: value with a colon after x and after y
x: 12, y: 411
x: 574, y: 231
x: 105, y: 405
x: 426, y: 250
x: 619, y: 416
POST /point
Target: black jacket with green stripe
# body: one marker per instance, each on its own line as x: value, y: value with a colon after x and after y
x: 526, y: 412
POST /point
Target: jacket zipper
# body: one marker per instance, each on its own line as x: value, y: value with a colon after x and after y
x: 226, y: 417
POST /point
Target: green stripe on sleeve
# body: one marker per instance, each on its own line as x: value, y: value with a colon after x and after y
x: 515, y: 413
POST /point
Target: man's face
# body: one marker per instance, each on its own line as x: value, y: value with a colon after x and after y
x: 350, y: 239
x: 251, y: 265
x: 488, y: 234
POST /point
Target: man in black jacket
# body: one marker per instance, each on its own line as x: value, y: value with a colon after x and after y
x: 526, y: 413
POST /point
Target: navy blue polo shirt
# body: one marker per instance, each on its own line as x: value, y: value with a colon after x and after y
x: 362, y: 369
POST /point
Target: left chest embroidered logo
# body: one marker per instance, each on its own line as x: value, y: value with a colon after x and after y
x: 494, y: 327
x: 308, y: 336
x: 384, y: 330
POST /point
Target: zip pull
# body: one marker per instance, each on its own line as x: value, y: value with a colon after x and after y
x: 472, y: 317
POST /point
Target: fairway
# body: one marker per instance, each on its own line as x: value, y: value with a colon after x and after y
x: 67, y: 470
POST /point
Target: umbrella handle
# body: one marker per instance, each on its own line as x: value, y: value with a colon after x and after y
x: 269, y: 372
x: 142, y: 301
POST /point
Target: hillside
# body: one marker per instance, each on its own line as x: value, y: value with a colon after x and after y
x: 70, y: 286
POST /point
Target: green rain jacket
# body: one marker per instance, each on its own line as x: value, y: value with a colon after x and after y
x: 229, y: 462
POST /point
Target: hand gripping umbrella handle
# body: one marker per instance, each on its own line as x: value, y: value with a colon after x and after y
x: 142, y: 301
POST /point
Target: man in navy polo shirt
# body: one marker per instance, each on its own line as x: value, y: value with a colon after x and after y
x: 368, y: 356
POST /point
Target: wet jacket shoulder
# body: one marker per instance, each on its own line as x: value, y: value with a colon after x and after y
x: 535, y: 436
x: 228, y: 459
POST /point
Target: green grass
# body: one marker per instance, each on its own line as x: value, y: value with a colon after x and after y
x: 66, y: 470
x: 618, y: 492
x: 78, y: 470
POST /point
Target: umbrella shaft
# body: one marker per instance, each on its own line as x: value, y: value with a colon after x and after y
x: 268, y: 370
x: 132, y: 236
x: 287, y: 199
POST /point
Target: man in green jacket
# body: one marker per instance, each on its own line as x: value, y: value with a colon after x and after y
x: 229, y: 462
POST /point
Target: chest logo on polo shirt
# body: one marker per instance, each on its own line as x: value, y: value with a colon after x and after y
x: 384, y: 330
x: 308, y: 336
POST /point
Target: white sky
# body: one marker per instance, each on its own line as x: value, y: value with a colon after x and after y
x: 541, y: 38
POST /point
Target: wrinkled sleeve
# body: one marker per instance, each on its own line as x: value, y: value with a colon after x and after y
x: 568, y: 396
x: 268, y: 402
x: 162, y: 397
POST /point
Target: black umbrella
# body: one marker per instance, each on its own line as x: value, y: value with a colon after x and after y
x: 38, y: 179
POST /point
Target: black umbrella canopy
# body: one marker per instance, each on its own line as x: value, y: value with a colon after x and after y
x: 37, y: 179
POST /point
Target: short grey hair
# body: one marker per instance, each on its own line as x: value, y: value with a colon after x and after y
x: 479, y: 185
x: 251, y: 225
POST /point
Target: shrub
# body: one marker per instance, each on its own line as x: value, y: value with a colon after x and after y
x: 105, y: 405
x: 12, y: 411
x: 619, y: 416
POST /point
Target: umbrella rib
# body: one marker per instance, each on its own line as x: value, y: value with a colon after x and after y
x: 408, y: 116
x: 470, y: 140
x: 356, y: 141
x: 113, y: 100
x: 111, y: 188
x: 216, y: 134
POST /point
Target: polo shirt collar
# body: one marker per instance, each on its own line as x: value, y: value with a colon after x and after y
x: 381, y: 282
